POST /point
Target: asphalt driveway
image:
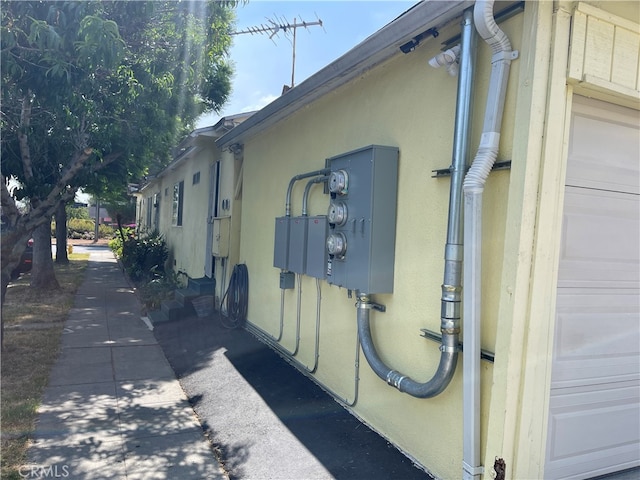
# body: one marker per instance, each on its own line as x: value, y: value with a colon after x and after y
x: 267, y: 420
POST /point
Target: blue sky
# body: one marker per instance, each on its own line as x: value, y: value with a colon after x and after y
x: 263, y: 66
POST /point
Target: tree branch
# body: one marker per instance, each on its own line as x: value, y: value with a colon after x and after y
x: 25, y: 121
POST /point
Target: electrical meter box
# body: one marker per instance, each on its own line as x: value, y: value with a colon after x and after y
x: 221, y: 231
x: 363, y: 185
x: 281, y: 243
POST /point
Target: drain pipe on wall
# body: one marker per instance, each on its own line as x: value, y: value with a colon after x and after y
x: 452, y: 284
x: 473, y: 188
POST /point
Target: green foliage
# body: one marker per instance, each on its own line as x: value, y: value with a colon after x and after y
x: 77, y: 212
x: 116, y: 244
x: 144, y: 257
x: 153, y: 292
x: 79, y: 228
x: 144, y: 261
x: 105, y: 231
x: 96, y: 93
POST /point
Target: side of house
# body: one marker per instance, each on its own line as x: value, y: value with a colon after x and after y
x: 384, y: 94
x: 194, y: 202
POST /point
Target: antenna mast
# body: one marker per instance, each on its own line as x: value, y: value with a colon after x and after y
x: 281, y: 24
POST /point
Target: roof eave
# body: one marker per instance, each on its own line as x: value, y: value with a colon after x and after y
x: 374, y: 50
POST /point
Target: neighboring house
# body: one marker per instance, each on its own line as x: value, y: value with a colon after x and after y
x: 548, y: 383
x: 190, y: 199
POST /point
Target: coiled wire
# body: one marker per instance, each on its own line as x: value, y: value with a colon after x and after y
x: 237, y: 298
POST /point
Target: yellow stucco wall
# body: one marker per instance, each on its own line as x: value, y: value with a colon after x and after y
x: 403, y: 103
x: 186, y: 243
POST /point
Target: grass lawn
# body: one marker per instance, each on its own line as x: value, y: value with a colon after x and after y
x: 33, y: 325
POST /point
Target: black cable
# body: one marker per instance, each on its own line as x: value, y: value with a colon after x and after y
x: 237, y: 297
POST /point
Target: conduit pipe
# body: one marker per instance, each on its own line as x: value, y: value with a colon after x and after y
x: 287, y: 206
x: 305, y: 199
x: 315, y: 173
x: 307, y: 189
x: 268, y: 339
x: 451, y: 288
x: 473, y: 187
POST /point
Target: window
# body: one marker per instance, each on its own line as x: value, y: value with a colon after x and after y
x: 149, y: 205
x: 156, y: 207
x: 196, y: 178
x: 178, y: 200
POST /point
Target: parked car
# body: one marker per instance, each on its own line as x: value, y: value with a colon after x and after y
x: 26, y: 261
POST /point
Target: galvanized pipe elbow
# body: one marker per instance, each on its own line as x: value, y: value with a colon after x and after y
x: 287, y: 204
x: 404, y: 383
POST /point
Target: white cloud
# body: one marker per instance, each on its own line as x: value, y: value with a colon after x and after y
x: 262, y: 102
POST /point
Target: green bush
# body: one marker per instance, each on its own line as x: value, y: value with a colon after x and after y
x: 155, y: 291
x: 115, y: 243
x: 105, y: 231
x: 80, y: 228
x: 144, y: 257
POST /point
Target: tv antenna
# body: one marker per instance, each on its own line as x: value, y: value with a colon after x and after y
x: 281, y: 25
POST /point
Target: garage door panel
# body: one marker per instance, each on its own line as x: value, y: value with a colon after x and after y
x: 590, y: 428
x: 594, y: 404
x: 597, y: 336
x: 604, y: 149
x: 601, y: 238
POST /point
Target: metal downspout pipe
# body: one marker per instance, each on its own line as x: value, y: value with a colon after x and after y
x: 473, y: 187
x: 451, y: 288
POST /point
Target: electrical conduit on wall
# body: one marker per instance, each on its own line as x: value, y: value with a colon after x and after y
x: 452, y: 284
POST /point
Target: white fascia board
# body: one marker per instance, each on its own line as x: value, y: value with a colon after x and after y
x: 374, y: 50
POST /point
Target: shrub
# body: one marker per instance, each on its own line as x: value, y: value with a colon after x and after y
x: 144, y: 261
x: 144, y: 257
x: 155, y: 291
x: 80, y: 228
x: 105, y: 231
x: 116, y: 244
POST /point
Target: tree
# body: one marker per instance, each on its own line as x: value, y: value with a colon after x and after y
x: 95, y: 93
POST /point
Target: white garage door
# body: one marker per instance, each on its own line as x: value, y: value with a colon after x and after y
x: 594, y: 409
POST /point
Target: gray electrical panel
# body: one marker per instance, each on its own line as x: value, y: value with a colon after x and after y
x: 281, y: 243
x: 298, y: 244
x: 317, y: 256
x: 363, y: 186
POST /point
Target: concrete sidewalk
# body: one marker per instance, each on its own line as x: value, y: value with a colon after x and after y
x: 113, y: 408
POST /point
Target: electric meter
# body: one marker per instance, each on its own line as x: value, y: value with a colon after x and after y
x: 337, y: 213
x: 339, y: 182
x: 337, y: 244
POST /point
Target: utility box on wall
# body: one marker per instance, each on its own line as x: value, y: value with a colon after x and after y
x: 316, y: 261
x: 298, y: 244
x: 281, y: 243
x: 221, y: 232
x: 363, y: 185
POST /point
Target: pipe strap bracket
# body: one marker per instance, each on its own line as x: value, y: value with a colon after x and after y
x: 449, y: 348
x: 371, y: 306
x: 505, y: 55
x: 479, y: 470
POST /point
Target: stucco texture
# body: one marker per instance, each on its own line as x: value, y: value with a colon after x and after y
x: 406, y: 104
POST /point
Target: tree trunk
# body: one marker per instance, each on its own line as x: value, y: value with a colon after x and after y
x: 61, y: 234
x: 43, y: 276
